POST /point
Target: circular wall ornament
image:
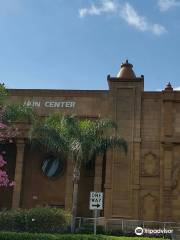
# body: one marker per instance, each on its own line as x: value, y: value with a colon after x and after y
x: 52, y: 166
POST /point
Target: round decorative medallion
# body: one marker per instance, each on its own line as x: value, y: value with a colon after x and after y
x: 52, y: 166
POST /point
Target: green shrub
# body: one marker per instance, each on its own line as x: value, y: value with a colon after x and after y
x: 35, y: 236
x: 38, y: 220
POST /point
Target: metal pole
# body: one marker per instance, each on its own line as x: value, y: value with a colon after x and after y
x: 95, y: 222
x: 80, y: 222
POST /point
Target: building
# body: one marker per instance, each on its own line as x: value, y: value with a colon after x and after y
x: 144, y: 184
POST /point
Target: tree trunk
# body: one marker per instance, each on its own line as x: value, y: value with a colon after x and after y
x: 76, y: 177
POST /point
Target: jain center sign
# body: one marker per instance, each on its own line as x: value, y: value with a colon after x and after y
x: 50, y: 104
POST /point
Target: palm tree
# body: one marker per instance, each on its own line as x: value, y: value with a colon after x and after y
x: 79, y: 139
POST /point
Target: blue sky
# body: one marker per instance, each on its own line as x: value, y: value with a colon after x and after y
x: 75, y: 44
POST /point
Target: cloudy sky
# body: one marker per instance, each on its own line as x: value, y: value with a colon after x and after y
x: 75, y: 44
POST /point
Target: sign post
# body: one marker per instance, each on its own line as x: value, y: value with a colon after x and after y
x: 95, y: 221
x: 96, y: 203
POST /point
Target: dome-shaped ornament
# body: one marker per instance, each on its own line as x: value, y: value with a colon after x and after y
x: 126, y: 71
x: 168, y: 87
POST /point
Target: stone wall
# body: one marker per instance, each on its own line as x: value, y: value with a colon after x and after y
x: 142, y: 184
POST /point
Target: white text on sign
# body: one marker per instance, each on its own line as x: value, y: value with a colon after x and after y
x: 96, y: 201
x: 49, y: 104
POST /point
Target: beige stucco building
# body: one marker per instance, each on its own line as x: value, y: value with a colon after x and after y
x: 144, y: 184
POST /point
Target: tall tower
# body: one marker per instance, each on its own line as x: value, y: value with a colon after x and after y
x: 122, y: 181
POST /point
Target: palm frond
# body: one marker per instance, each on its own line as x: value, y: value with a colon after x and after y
x: 101, y: 145
x: 82, y: 139
x: 48, y: 137
x: 104, y: 124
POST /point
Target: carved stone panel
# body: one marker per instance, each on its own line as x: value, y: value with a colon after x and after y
x: 176, y: 179
x: 176, y: 193
x: 149, y: 208
x: 150, y: 165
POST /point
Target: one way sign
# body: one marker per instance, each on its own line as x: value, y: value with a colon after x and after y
x: 96, y: 201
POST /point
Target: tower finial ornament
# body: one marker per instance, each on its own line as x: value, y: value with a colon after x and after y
x: 126, y: 71
x: 168, y: 87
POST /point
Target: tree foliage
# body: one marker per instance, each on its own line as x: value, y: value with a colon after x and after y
x: 81, y: 139
x: 8, y: 114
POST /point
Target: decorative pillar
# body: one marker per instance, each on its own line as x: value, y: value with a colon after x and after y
x: 18, y: 174
x: 98, y: 174
x: 168, y: 98
x: 166, y: 161
x: 69, y: 185
x: 108, y: 185
x: 136, y: 179
x: 167, y: 188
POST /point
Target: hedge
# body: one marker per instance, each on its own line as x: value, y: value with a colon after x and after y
x: 39, y: 220
x: 35, y: 236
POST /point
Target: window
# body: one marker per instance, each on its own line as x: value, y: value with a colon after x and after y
x: 52, y: 166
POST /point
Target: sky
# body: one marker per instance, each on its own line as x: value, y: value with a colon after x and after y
x: 75, y: 44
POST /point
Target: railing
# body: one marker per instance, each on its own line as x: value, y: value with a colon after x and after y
x: 127, y: 225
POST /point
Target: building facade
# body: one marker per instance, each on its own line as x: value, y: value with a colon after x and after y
x: 144, y: 184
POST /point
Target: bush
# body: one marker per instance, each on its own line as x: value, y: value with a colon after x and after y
x: 38, y: 220
x: 35, y: 236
